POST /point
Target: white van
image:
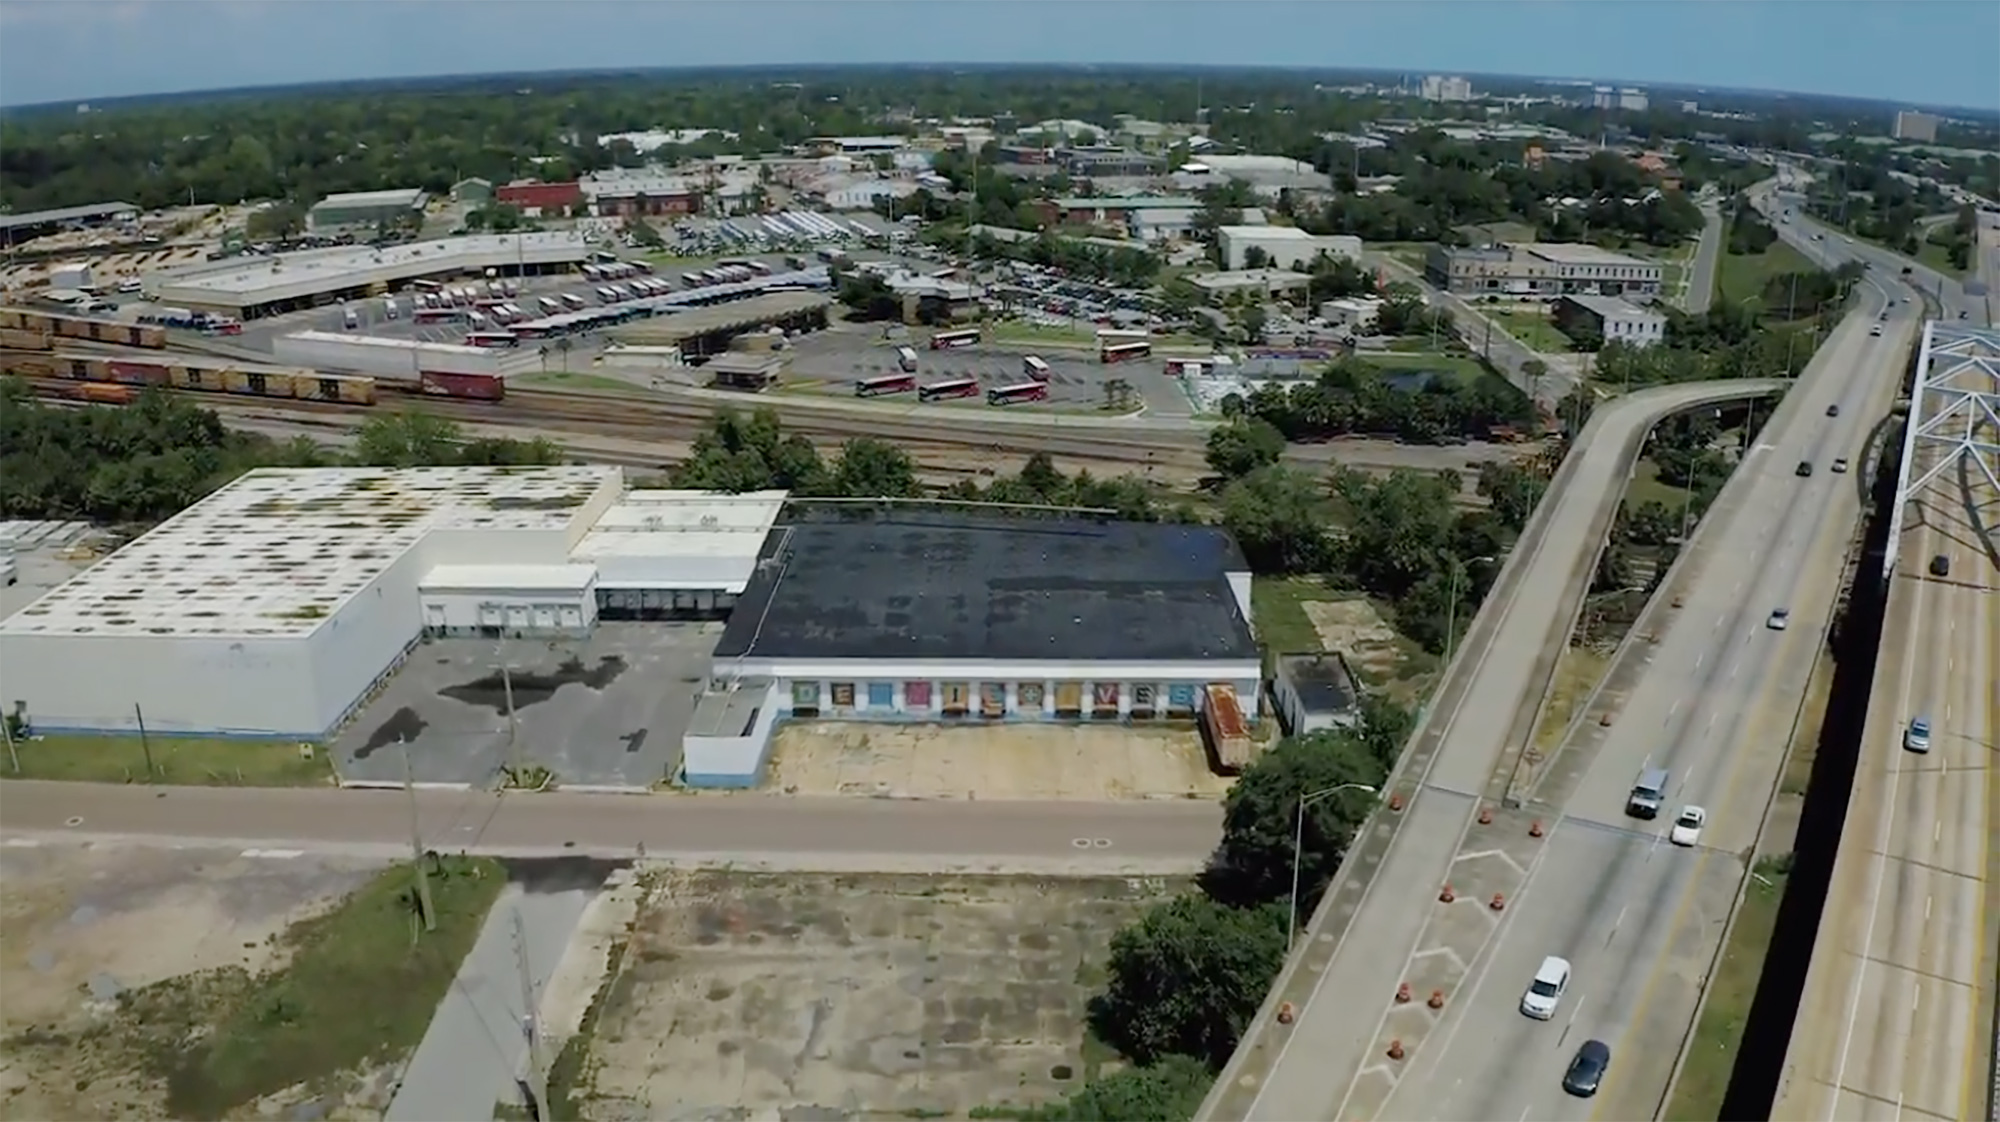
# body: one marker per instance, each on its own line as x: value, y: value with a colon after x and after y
x: 1546, y: 991
x: 350, y: 317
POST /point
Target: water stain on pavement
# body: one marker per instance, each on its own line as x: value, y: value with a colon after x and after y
x: 531, y: 688
x: 403, y: 725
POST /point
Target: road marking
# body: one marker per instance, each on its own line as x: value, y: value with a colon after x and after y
x: 22, y: 843
x: 1937, y: 831
x: 1671, y: 710
x: 275, y: 854
x: 1927, y: 908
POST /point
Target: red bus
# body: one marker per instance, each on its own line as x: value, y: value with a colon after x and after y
x: 439, y: 315
x: 1035, y: 369
x: 493, y: 339
x: 1119, y: 352
x: 955, y: 387
x: 957, y: 337
x: 887, y: 383
x: 1025, y: 391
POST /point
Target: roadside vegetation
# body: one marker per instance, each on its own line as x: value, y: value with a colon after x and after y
x: 166, y: 760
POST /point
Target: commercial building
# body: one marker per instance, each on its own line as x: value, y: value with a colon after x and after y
x: 274, y: 606
x: 17, y: 228
x: 927, y: 617
x: 1285, y: 247
x: 1314, y: 693
x: 249, y: 287
x: 1116, y: 210
x: 534, y: 197
x: 1541, y: 270
x: 1612, y: 319
x: 1446, y: 87
x: 1099, y: 163
x: 1264, y: 282
x: 620, y: 192
x: 1912, y: 125
x: 366, y: 208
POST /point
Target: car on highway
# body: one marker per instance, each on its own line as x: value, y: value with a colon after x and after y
x: 1917, y: 737
x: 1687, y: 827
x: 1804, y: 468
x: 1587, y: 1070
x: 1546, y: 991
x: 1875, y: 331
x: 1833, y: 410
x: 1840, y: 466
x: 1940, y: 566
x: 1779, y: 619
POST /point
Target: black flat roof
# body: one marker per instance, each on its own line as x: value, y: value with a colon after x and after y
x: 945, y: 586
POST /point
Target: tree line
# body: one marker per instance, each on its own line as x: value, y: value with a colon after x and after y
x: 150, y: 460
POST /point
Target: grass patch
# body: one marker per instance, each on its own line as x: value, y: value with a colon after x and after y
x: 1532, y: 327
x: 1711, y: 1059
x: 1458, y: 366
x: 1277, y: 608
x: 1799, y: 762
x: 1937, y: 257
x: 1647, y: 488
x: 572, y: 380
x: 358, y: 989
x: 1742, y: 276
x: 177, y: 760
x: 1409, y: 253
x: 1578, y: 672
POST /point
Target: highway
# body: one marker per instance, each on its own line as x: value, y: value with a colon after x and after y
x: 1896, y: 1019
x: 1488, y: 702
x: 833, y: 834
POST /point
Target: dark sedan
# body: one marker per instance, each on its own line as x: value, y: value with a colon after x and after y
x: 1587, y: 1070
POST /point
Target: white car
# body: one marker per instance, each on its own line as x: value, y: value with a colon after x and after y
x: 1546, y: 991
x: 1917, y: 738
x: 1780, y: 619
x: 1687, y: 828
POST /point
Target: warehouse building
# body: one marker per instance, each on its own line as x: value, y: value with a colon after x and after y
x: 1284, y: 247
x: 366, y: 208
x: 1541, y: 270
x: 927, y: 617
x: 252, y: 287
x: 1611, y: 319
x: 18, y: 228
x: 273, y: 607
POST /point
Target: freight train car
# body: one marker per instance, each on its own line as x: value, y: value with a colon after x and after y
x: 22, y: 339
x: 478, y: 387
x: 202, y: 374
x: 82, y: 327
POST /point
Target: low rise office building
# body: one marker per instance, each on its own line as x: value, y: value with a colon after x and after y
x: 1541, y: 270
x: 1611, y: 319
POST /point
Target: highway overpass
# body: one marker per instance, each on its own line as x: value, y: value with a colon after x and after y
x: 1896, y: 1020
x: 1706, y: 689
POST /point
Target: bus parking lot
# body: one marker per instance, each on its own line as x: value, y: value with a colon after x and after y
x: 838, y: 359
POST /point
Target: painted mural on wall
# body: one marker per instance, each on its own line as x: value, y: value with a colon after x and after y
x: 881, y: 695
x: 843, y: 695
x: 1028, y: 697
x: 956, y: 698
x: 1069, y: 699
x: 1104, y: 698
x: 805, y: 695
x: 1145, y: 697
x: 993, y: 699
x: 1180, y: 698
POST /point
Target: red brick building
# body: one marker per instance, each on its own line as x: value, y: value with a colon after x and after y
x: 548, y: 198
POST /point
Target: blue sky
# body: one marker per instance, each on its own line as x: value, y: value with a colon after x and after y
x: 1915, y: 51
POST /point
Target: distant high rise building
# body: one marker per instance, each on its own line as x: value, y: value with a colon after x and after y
x: 1912, y: 125
x: 1631, y: 100
x: 1446, y: 87
x: 1690, y: 106
x: 1603, y: 97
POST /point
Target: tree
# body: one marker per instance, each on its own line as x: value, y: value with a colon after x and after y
x: 1260, y: 823
x: 408, y: 439
x: 1276, y: 515
x: 1513, y: 490
x: 1186, y: 979
x: 1242, y: 446
x: 1256, y: 257
x: 1168, y: 1090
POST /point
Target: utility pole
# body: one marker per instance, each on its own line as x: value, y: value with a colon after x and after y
x: 145, y: 744
x: 424, y: 906
x: 537, y: 1081
x: 513, y: 724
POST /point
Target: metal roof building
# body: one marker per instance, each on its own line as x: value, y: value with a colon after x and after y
x: 21, y: 227
x: 248, y: 287
x: 366, y: 208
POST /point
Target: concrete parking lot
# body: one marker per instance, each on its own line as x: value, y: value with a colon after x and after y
x: 608, y: 711
x: 847, y: 353
x: 751, y: 995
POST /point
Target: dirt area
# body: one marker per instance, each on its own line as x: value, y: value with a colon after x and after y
x: 1577, y: 673
x: 763, y: 996
x: 1084, y: 762
x: 1380, y: 657
x: 81, y: 925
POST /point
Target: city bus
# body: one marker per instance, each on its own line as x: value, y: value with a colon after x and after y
x: 955, y: 387
x: 1035, y: 369
x: 1119, y: 352
x: 493, y: 339
x: 956, y: 337
x: 438, y: 315
x: 426, y: 285
x: 887, y: 383
x: 906, y: 357
x: 1025, y: 391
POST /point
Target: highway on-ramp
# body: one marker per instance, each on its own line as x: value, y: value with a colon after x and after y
x: 1709, y: 691
x: 1487, y: 704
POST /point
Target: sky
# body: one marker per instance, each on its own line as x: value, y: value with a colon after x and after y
x: 1920, y: 52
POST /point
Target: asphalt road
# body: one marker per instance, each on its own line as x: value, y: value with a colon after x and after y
x: 1835, y: 246
x: 1712, y: 699
x: 1507, y: 354
x: 1371, y: 924
x: 1156, y: 838
x: 1896, y: 1016
x: 1707, y: 252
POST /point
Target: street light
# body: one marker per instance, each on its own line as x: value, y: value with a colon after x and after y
x: 1451, y: 608
x: 1299, y: 844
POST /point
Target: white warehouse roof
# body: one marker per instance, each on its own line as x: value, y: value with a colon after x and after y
x: 681, y: 539
x: 279, y: 551
x: 251, y: 281
x: 513, y: 578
